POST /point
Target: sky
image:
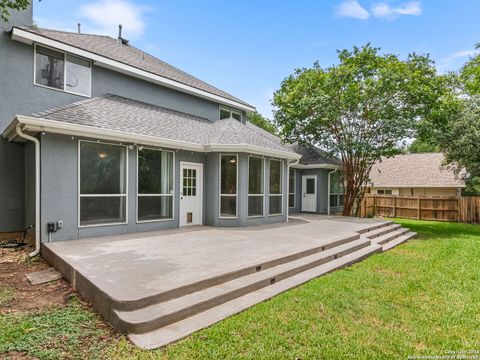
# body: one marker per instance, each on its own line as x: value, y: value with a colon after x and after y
x: 248, y: 47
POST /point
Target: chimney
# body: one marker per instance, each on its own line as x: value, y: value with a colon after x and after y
x: 78, y: 25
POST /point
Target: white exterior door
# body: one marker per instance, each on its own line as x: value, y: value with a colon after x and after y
x: 309, y: 193
x: 191, y: 193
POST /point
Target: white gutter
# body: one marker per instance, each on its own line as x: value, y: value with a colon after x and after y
x: 295, y: 162
x: 37, y: 187
x: 317, y: 166
x: 58, y: 127
x: 29, y: 38
x: 328, y: 199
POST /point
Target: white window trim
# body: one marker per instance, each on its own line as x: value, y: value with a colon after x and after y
x: 294, y: 188
x: 79, y: 195
x: 64, y: 90
x: 264, y: 185
x: 146, y: 195
x: 281, y: 187
x: 220, y: 195
x: 230, y: 110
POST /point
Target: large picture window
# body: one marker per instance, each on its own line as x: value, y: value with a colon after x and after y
x: 228, y: 186
x: 102, y: 184
x: 155, y: 185
x: 291, y: 188
x: 276, y: 193
x: 255, y: 186
x: 62, y: 71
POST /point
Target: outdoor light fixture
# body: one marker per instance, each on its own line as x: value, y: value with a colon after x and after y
x: 102, y: 155
x: 233, y: 160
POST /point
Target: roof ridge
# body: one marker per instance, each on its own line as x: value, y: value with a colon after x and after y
x: 68, y: 32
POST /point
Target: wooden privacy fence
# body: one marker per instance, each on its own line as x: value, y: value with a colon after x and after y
x: 462, y: 209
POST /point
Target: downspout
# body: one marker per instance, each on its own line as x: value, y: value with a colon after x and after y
x: 288, y: 183
x: 37, y: 187
x: 328, y: 198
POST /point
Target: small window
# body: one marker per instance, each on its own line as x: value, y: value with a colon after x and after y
x: 384, y: 191
x: 228, y: 186
x: 62, y: 71
x: 336, y: 190
x: 276, y: 192
x: 103, y: 184
x: 226, y: 112
x: 255, y: 186
x: 291, y: 188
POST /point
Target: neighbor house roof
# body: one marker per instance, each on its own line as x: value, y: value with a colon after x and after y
x: 111, y: 48
x: 414, y: 170
x: 129, y: 120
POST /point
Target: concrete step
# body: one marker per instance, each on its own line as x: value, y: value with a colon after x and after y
x: 168, y: 312
x: 173, y: 332
x: 375, y: 227
x: 381, y: 231
x: 383, y: 239
x: 399, y: 240
x: 220, y: 278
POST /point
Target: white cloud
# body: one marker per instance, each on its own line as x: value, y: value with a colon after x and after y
x: 386, y: 11
x: 454, y: 60
x: 352, y: 8
x: 104, y: 16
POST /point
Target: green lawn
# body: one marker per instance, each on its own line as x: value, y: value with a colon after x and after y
x: 421, y: 298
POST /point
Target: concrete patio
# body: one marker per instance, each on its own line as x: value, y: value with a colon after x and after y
x: 134, y: 280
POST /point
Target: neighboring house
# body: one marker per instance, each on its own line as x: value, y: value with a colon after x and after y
x: 126, y: 142
x: 414, y: 175
x: 314, y: 184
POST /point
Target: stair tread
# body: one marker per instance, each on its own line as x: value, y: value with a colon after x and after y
x: 380, y: 231
x: 375, y: 227
x: 399, y: 240
x: 160, y: 309
x: 389, y: 236
x: 173, y: 332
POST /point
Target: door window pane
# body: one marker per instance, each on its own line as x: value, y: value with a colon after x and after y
x: 102, y: 210
x: 78, y: 75
x: 155, y: 208
x: 310, y: 186
x: 291, y: 200
x: 49, y: 68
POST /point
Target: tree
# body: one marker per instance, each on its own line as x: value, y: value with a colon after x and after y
x: 7, y: 5
x: 423, y: 146
x: 257, y: 119
x: 360, y: 109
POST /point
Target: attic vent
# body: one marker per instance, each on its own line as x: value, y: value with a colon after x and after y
x: 120, y: 39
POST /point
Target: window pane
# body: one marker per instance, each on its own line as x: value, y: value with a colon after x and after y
x: 155, y: 208
x: 228, y: 206
x: 336, y: 185
x: 228, y: 174
x: 49, y: 68
x: 340, y: 200
x: 275, y: 177
x: 237, y: 116
x: 388, y: 192
x: 255, y: 175
x: 333, y: 200
x: 102, y: 210
x: 102, y: 168
x: 255, y: 206
x: 78, y: 75
x: 310, y: 186
x: 224, y: 114
x: 275, y: 205
x: 155, y: 172
x: 291, y: 181
x: 291, y: 200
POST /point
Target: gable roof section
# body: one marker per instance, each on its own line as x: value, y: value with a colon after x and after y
x: 109, y: 48
x: 413, y: 170
x: 129, y: 120
x: 312, y: 156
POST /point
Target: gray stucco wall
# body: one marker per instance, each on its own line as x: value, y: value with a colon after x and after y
x: 322, y: 189
x: 18, y: 95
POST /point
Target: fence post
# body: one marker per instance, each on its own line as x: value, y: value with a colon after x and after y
x: 374, y: 205
x: 419, y: 209
x: 394, y: 206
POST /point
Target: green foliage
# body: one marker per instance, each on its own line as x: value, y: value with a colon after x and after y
x: 473, y: 186
x: 422, y: 146
x: 7, y: 5
x: 257, y: 119
x: 470, y: 75
x: 361, y: 108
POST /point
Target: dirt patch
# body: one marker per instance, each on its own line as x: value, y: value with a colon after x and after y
x: 14, y: 264
x: 17, y: 356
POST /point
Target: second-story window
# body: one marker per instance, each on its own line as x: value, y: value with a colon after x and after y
x: 226, y: 112
x: 62, y: 71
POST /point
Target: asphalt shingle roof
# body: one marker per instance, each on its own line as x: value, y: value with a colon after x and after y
x: 312, y: 155
x: 114, y: 112
x: 414, y: 170
x: 110, y: 48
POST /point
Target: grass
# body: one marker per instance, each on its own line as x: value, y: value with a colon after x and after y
x: 420, y: 298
